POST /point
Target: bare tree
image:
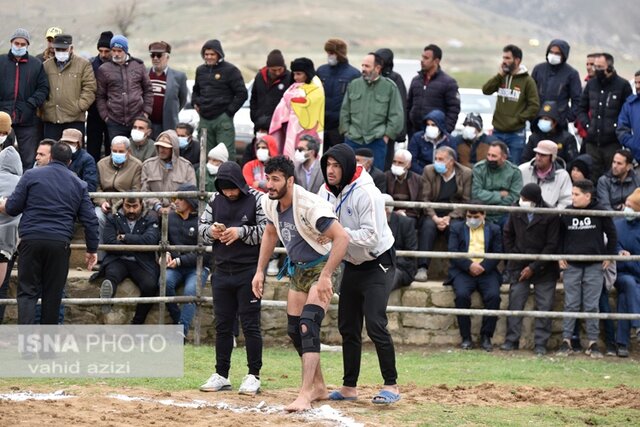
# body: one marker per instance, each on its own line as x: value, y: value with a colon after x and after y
x: 124, y: 16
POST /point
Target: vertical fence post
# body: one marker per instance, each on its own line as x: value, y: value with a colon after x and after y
x: 202, y: 173
x: 164, y: 241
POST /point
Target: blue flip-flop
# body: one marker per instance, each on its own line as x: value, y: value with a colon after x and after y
x: 336, y: 395
x: 385, y: 397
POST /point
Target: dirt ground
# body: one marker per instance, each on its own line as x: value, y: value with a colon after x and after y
x: 107, y: 406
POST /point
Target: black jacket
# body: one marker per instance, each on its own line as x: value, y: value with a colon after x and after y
x: 583, y: 234
x: 600, y: 106
x: 145, y: 232
x: 93, y: 114
x: 24, y: 87
x: 540, y: 236
x: 405, y: 236
x: 192, y: 153
x: 560, y: 83
x: 265, y: 96
x: 567, y: 144
x: 218, y: 88
x: 387, y: 71
x: 245, y: 212
x: 441, y: 93
x: 185, y: 232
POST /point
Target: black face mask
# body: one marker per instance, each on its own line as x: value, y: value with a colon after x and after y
x: 600, y: 75
x: 493, y: 164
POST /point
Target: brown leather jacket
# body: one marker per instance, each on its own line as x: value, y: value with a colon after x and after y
x: 431, y: 188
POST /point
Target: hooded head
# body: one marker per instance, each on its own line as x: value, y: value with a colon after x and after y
x: 216, y: 46
x: 189, y: 187
x: 387, y: 60
x: 169, y: 139
x: 346, y: 158
x: 10, y: 162
x: 549, y: 109
x: 563, y: 46
x: 583, y: 163
x: 438, y: 118
x: 532, y: 193
x: 229, y: 177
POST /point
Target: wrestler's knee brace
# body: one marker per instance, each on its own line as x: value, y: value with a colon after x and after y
x: 310, y: 321
x: 293, y: 330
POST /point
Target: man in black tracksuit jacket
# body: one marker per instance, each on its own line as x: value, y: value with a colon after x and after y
x: 236, y: 248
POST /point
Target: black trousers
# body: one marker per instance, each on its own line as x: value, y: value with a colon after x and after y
x: 118, y: 270
x: 364, y: 294
x: 42, y: 272
x: 232, y: 297
x: 28, y: 139
x: 97, y: 137
x: 4, y: 289
x: 54, y: 130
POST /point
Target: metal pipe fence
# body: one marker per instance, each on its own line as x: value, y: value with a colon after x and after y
x: 199, y: 300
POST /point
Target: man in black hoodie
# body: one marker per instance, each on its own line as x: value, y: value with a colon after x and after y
x: 559, y: 82
x: 583, y: 235
x: 218, y: 94
x: 233, y: 222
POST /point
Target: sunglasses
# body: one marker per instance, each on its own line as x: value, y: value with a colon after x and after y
x: 156, y: 54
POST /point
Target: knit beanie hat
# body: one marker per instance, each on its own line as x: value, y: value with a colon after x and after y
x: 105, y: 39
x: 338, y: 47
x: 5, y: 123
x: 634, y: 200
x: 473, y: 119
x: 583, y: 164
x: 275, y: 59
x: 21, y: 33
x: 189, y: 187
x: 532, y: 192
x: 121, y: 42
x: 305, y: 65
x: 219, y: 152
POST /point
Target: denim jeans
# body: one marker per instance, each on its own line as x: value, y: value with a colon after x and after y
x: 176, y: 276
x: 628, y: 288
x: 515, y: 141
x: 378, y: 147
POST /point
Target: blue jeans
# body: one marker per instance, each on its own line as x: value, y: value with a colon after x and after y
x: 628, y: 302
x: 378, y: 147
x: 187, y: 275
x: 515, y: 141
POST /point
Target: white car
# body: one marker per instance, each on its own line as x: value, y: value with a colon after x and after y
x: 241, y: 121
x: 474, y: 101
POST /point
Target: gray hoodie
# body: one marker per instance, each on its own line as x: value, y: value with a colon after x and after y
x: 10, y: 173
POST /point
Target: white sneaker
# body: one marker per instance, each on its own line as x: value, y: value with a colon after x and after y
x: 216, y: 383
x: 250, y: 385
x: 421, y: 275
x: 272, y: 269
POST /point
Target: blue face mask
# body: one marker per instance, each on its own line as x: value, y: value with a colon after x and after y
x: 183, y: 141
x: 18, y: 51
x: 118, y: 158
x: 544, y: 125
x: 440, y: 167
x: 629, y: 218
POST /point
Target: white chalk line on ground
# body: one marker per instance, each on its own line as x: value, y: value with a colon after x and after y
x: 23, y: 396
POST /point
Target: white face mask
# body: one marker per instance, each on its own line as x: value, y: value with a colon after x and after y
x: 299, y: 157
x: 262, y: 154
x: 432, y: 132
x: 526, y: 204
x: 137, y: 135
x: 332, y: 60
x: 73, y: 148
x: 397, y: 170
x: 62, y: 56
x: 554, y: 59
x: 469, y: 133
x: 212, y: 169
x: 3, y: 138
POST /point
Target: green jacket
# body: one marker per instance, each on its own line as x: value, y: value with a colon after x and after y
x: 371, y: 110
x: 517, y: 100
x: 487, y: 183
x: 145, y: 152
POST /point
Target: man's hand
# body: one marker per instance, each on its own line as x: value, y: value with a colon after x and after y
x: 230, y: 235
x: 215, y: 232
x: 257, y: 284
x: 323, y: 240
x: 385, y: 139
x: 164, y: 210
x: 563, y: 264
x: 3, y: 201
x: 525, y: 274
x: 504, y: 193
x: 501, y: 71
x: 90, y: 260
x: 105, y: 206
x: 325, y: 288
x: 605, y: 264
x: 476, y: 269
x: 624, y: 253
x: 401, y: 212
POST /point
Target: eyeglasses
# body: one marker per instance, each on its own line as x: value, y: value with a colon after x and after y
x: 156, y: 54
x: 301, y: 149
